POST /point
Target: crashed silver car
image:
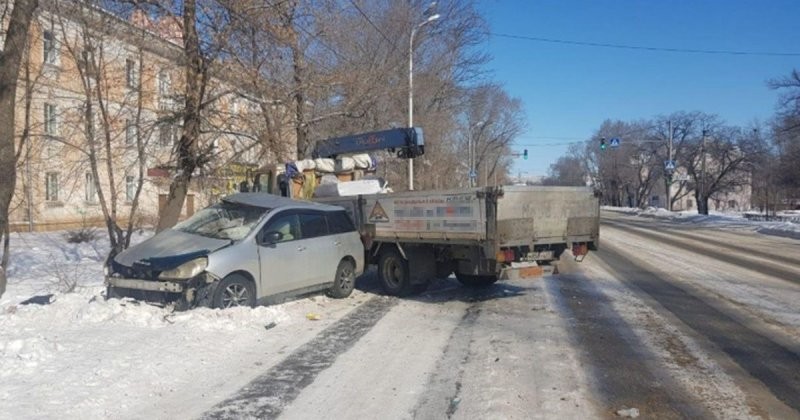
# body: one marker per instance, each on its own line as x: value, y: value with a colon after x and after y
x: 251, y: 248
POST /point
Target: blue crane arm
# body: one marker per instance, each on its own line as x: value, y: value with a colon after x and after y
x: 407, y: 142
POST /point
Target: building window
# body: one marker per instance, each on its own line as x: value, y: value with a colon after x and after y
x: 130, y: 188
x: 131, y: 73
x: 87, y: 64
x: 164, y: 83
x: 49, y: 48
x: 90, y: 191
x: 50, y: 120
x: 131, y: 133
x: 167, y: 134
x: 51, y: 186
x: 690, y: 204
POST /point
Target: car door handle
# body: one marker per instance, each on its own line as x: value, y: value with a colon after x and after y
x: 301, y: 248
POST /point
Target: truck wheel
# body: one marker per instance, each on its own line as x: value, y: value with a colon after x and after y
x: 235, y: 290
x: 393, y: 273
x: 345, y: 280
x: 476, y: 281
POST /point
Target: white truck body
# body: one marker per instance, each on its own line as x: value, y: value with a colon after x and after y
x: 481, y: 234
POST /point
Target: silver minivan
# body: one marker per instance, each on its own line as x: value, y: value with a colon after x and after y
x: 251, y: 248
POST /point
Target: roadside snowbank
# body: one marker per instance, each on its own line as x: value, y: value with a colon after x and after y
x: 715, y: 219
x: 80, y: 356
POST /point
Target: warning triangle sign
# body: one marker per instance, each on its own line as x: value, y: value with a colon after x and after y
x: 378, y: 215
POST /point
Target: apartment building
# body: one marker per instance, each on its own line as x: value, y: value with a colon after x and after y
x: 99, y: 88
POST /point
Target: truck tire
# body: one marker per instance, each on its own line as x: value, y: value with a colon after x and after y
x: 393, y: 273
x: 476, y: 281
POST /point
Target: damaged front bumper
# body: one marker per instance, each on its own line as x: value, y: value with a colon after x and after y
x: 197, y: 291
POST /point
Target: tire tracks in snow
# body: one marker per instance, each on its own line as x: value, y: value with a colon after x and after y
x: 444, y: 385
x: 734, y: 259
x: 621, y: 373
x: 770, y: 363
x: 266, y: 396
x: 721, y: 242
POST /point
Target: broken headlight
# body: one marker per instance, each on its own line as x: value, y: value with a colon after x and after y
x: 186, y: 270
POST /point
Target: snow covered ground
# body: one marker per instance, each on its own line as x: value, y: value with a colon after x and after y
x: 84, y: 357
x: 80, y: 356
x: 731, y: 220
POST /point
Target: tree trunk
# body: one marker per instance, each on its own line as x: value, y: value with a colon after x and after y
x: 189, y: 157
x: 10, y: 61
x: 298, y: 67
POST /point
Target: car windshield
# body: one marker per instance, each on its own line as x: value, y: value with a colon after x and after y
x: 223, y: 221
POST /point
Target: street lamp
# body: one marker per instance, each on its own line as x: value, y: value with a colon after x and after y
x: 411, y: 90
x: 471, y: 152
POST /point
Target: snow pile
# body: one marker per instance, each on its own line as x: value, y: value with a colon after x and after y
x: 733, y: 220
x: 76, y: 355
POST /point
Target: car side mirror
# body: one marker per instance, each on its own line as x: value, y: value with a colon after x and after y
x: 272, y: 237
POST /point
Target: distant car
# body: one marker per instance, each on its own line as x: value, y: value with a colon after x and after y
x: 251, y: 248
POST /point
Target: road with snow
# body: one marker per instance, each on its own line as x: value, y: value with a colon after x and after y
x: 672, y: 320
x: 675, y: 319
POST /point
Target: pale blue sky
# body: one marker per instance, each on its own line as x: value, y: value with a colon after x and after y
x: 568, y: 90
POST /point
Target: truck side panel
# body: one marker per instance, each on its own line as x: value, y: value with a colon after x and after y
x: 427, y: 216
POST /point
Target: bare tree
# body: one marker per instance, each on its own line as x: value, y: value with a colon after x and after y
x: 568, y: 170
x: 16, y: 40
x: 786, y: 137
x: 191, y: 154
x: 87, y: 37
x: 718, y: 162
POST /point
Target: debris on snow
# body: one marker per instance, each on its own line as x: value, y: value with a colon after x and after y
x: 628, y: 412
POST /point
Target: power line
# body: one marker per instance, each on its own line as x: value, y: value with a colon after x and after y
x: 646, y: 48
x: 550, y: 144
x: 551, y: 138
x: 370, y: 21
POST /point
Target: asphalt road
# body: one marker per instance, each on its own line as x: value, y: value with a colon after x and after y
x: 672, y: 320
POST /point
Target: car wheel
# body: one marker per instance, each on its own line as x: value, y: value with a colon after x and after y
x: 393, y: 273
x: 235, y: 290
x: 476, y: 281
x: 345, y: 280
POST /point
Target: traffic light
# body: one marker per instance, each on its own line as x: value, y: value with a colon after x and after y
x: 602, y: 143
x: 525, y: 154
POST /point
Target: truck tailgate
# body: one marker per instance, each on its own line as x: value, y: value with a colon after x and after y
x: 544, y: 214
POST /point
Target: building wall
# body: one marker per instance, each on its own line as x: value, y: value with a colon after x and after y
x: 62, y: 83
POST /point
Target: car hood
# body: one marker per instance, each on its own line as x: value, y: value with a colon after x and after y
x: 169, y: 249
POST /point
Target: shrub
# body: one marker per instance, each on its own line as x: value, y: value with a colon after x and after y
x: 84, y: 234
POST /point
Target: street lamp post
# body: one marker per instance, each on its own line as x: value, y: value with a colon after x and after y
x: 411, y: 90
x: 471, y: 151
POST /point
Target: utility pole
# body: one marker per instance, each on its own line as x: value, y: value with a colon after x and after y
x: 411, y: 90
x: 703, y: 175
x: 669, y: 174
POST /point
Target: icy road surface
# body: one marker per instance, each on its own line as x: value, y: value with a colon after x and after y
x: 676, y: 320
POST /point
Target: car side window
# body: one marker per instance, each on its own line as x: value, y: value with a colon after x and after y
x: 339, y: 222
x: 313, y: 225
x: 288, y: 225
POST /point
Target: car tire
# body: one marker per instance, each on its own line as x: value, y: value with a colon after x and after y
x: 345, y: 280
x: 235, y: 290
x: 469, y: 280
x: 394, y: 274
